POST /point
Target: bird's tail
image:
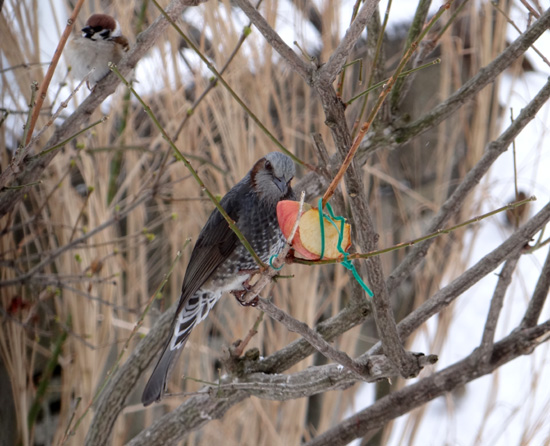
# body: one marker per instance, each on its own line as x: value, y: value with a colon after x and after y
x: 154, y: 390
x: 193, y: 312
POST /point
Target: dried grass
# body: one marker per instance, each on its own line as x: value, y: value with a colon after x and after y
x: 100, y: 305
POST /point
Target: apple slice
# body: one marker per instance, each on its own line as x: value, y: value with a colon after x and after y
x: 287, y: 213
x: 307, y: 240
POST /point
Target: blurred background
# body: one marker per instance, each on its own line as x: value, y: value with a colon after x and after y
x: 118, y: 190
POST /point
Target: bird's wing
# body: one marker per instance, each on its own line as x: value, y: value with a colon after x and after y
x: 215, y: 244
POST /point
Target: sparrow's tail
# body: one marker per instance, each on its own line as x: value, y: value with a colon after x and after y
x: 194, y: 311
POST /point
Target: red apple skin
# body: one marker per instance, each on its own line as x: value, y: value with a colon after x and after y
x: 287, y: 213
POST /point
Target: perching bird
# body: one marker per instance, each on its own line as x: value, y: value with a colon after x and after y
x: 101, y: 42
x: 219, y: 262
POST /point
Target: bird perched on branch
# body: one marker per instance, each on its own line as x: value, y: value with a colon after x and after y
x: 101, y: 42
x: 219, y: 262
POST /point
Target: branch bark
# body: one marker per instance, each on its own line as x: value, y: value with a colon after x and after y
x: 485, y: 76
x: 539, y: 296
x: 471, y: 179
x: 484, y: 266
x: 504, y: 280
x: 429, y: 388
x: 329, y: 71
x: 31, y: 168
x: 115, y: 394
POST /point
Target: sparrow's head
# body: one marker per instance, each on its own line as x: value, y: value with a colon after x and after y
x: 101, y: 27
x: 271, y: 176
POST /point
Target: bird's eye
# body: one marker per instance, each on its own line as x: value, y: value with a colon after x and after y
x: 268, y: 166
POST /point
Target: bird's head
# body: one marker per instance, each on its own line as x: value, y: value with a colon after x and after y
x: 271, y: 176
x: 101, y: 27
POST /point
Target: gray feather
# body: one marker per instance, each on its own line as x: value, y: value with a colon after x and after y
x: 154, y: 390
x: 218, y: 256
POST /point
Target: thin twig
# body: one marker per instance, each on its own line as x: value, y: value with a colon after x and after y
x: 377, y: 61
x: 193, y: 172
x: 311, y: 336
x: 54, y: 254
x: 329, y: 71
x: 493, y: 150
x: 49, y: 74
x: 430, y: 236
x: 476, y: 83
x: 504, y: 280
x: 61, y: 107
x: 232, y: 92
x: 511, y: 22
x: 19, y: 156
x: 302, y: 68
x: 386, y: 90
x: 114, y: 367
x: 238, y: 351
x: 539, y: 297
x: 70, y: 138
x: 212, y: 84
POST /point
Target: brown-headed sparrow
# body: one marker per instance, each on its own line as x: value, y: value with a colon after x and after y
x: 101, y: 42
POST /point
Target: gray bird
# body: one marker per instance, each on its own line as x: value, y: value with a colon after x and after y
x: 219, y: 262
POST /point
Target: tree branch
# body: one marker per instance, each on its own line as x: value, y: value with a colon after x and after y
x: 312, y: 337
x: 293, y: 60
x: 539, y: 296
x: 504, y: 280
x: 31, y: 167
x: 113, y: 398
x: 329, y: 71
x: 484, y: 266
x: 404, y: 400
x: 485, y: 76
x: 471, y: 179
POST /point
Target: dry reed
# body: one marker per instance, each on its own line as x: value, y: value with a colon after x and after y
x: 96, y: 290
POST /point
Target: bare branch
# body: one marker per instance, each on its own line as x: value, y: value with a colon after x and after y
x: 32, y: 167
x: 113, y: 398
x: 471, y: 179
x: 64, y: 248
x: 296, y: 351
x: 504, y: 280
x: 275, y: 40
x: 484, y: 266
x: 313, y: 380
x: 382, y: 310
x: 539, y: 296
x: 485, y: 76
x: 330, y: 70
x: 190, y: 416
x: 429, y: 388
x: 312, y: 337
x: 198, y: 410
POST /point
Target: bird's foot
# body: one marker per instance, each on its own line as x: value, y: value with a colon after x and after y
x: 239, y: 295
x: 247, y: 286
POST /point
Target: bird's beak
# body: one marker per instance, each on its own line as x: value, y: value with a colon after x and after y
x: 281, y: 184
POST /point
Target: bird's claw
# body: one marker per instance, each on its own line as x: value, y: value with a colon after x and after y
x: 239, y: 295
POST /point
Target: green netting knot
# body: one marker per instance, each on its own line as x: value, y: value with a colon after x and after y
x: 346, y: 262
